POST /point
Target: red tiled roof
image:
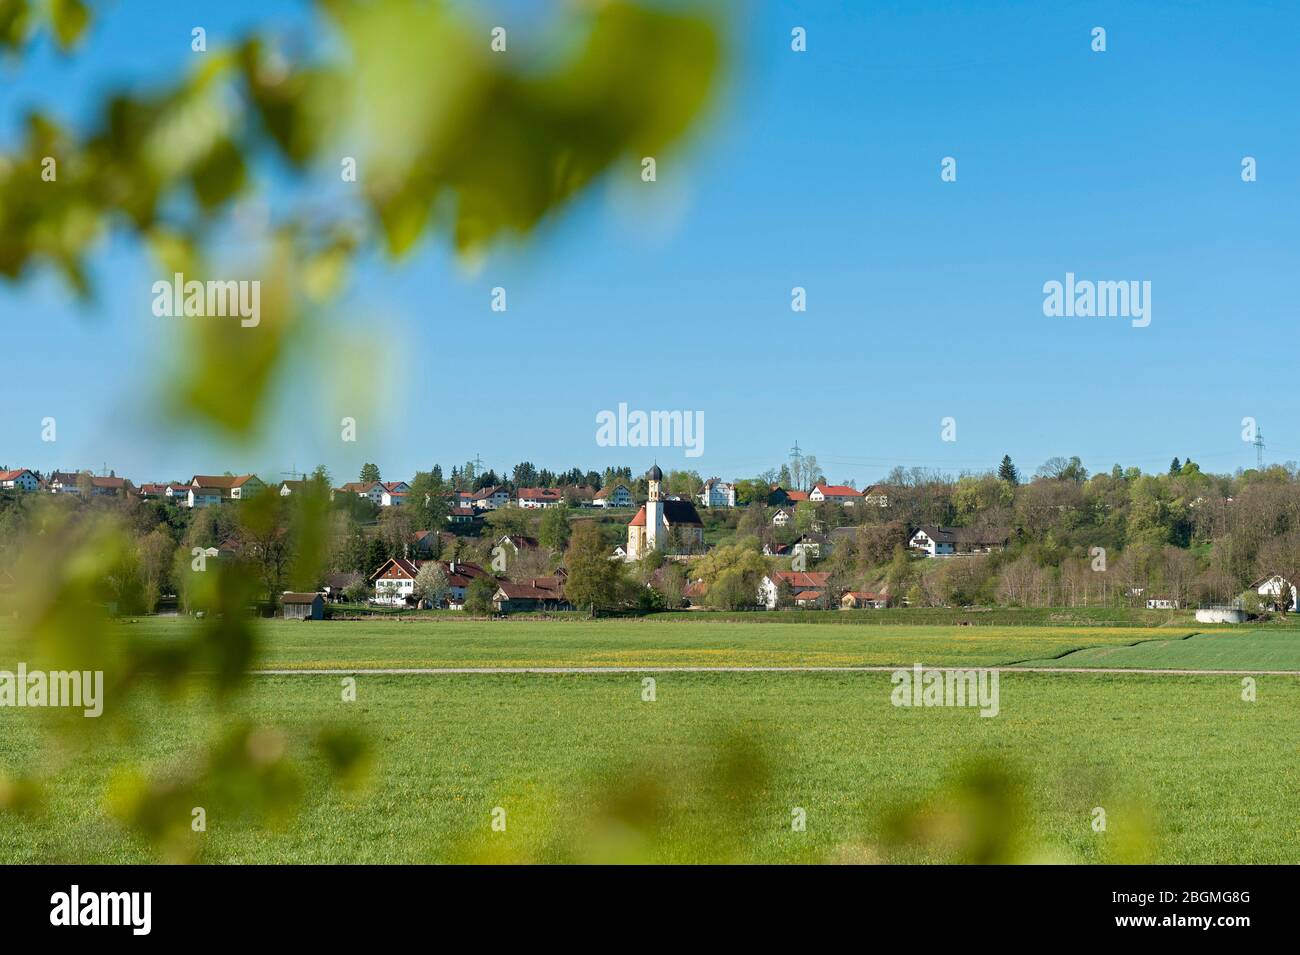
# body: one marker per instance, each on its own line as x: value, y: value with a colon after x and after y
x: 797, y: 495
x: 223, y: 481
x: 838, y: 490
x: 539, y: 494
x: 800, y: 580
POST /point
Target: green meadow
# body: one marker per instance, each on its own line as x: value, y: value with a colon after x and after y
x: 456, y: 642
x: 725, y: 767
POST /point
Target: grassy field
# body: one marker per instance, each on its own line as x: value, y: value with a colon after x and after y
x: 650, y: 641
x: 1236, y: 650
x: 712, y: 769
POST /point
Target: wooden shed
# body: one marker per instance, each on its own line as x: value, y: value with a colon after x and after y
x: 303, y: 606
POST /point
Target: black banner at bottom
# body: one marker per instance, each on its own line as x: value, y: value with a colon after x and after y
x: 303, y: 904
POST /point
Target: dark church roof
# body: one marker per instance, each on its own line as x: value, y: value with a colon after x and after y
x: 654, y: 474
x: 676, y: 514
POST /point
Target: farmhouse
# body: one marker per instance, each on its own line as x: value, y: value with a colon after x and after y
x: 670, y: 526
x: 797, y: 581
x: 303, y: 606
x: 542, y: 593
x: 534, y: 497
x: 19, y: 480
x: 948, y: 541
x: 1278, y: 592
x: 781, y: 518
x: 616, y: 496
x: 394, y: 581
x: 836, y: 494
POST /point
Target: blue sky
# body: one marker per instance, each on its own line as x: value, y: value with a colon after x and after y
x: 817, y: 169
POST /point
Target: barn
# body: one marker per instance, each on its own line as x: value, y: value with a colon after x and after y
x: 303, y: 606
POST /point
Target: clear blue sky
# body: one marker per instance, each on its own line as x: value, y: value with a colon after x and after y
x: 818, y: 169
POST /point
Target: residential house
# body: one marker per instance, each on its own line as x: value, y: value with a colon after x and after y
x: 1162, y: 603
x: 813, y: 546
x: 110, y: 486
x: 836, y: 494
x: 302, y: 606
x: 542, y: 593
x: 489, y: 498
x: 534, y: 497
x: 460, y: 574
x: 336, y: 586
x: 372, y: 491
x: 394, y: 581
x: 393, y: 493
x: 19, y: 480
x: 782, y: 517
x: 461, y: 515
x: 290, y: 487
x: 518, y: 542
x: 858, y: 599
x: 718, y: 493
x: 949, y: 541
x: 616, y: 496
x: 225, y: 487
x: 769, y: 588
x: 64, y: 482
x: 807, y: 598
x: 1278, y: 592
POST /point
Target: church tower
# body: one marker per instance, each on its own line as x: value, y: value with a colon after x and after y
x: 654, y: 511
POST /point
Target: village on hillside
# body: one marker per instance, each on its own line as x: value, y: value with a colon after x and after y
x: 487, y: 544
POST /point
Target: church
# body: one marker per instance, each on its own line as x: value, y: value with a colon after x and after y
x: 673, y: 527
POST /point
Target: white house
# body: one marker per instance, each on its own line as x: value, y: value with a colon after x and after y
x: 716, y: 493
x: 769, y: 588
x: 534, y: 497
x: 19, y: 480
x: 835, y: 493
x: 1277, y: 591
x: 395, y: 581
x: 393, y: 493
x: 228, y: 487
x: 203, y: 497
x: 372, y: 491
x: 781, y: 518
x: 947, y: 541
x: 1162, y: 603
x: 616, y: 496
x: 490, y: 498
